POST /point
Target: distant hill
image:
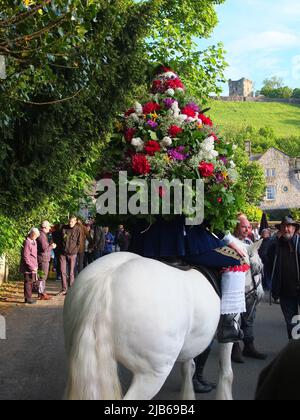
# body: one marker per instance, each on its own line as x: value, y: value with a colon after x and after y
x: 283, y: 118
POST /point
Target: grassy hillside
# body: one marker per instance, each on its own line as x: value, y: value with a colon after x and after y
x: 283, y: 118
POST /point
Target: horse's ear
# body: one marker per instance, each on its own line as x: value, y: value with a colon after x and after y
x: 255, y: 247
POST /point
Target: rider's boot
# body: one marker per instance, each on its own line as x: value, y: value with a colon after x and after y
x: 236, y: 355
x: 201, y: 386
x: 250, y: 351
x: 229, y: 330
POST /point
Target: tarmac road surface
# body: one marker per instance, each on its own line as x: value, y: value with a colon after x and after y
x: 33, y: 363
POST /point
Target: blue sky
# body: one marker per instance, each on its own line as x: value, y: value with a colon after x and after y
x: 262, y: 39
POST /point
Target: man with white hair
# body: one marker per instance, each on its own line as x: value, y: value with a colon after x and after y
x: 44, y: 255
x: 29, y: 263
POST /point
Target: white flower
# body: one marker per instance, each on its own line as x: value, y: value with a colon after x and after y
x: 167, y: 141
x: 182, y: 117
x: 138, y: 143
x: 232, y: 164
x: 134, y: 117
x: 170, y: 92
x: 234, y: 147
x: 169, y: 75
x: 138, y: 108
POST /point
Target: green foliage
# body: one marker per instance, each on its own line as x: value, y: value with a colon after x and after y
x: 274, y: 88
x: 253, y: 213
x: 296, y: 214
x: 296, y: 93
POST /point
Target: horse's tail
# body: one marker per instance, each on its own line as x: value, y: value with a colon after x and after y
x: 93, y: 373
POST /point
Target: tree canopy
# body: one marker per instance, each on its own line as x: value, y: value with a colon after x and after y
x: 72, y: 65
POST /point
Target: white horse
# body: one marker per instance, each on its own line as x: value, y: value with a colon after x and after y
x: 145, y: 315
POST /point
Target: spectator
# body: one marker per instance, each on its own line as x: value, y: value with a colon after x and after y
x: 263, y: 253
x: 44, y: 255
x: 248, y: 318
x: 88, y: 251
x: 29, y: 264
x: 122, y: 239
x: 98, y: 242
x: 70, y: 247
x: 57, y: 239
x: 280, y: 380
x: 284, y: 257
x: 109, y: 242
x: 84, y: 235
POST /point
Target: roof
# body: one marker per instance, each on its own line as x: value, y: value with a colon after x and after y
x: 256, y: 157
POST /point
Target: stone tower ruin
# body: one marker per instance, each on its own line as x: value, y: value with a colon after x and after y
x: 243, y: 87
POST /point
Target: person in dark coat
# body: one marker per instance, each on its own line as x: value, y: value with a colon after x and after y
x: 44, y: 256
x: 284, y: 257
x: 280, y: 380
x: 70, y: 247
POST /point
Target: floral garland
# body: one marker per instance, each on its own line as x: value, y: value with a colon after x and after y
x: 170, y: 137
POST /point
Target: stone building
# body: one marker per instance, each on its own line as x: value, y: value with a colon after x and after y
x: 282, y: 178
x: 243, y: 87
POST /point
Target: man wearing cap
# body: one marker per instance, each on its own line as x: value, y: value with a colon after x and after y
x: 44, y: 255
x: 284, y: 256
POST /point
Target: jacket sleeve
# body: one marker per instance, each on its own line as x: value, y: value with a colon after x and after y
x: 30, y: 263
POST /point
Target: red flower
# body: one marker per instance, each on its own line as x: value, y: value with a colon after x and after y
x: 189, y: 112
x: 157, y: 86
x: 206, y: 120
x: 140, y: 164
x: 129, y: 112
x: 174, y: 130
x: 129, y: 134
x: 165, y: 69
x: 220, y: 200
x: 206, y: 169
x: 174, y: 84
x: 150, y: 108
x: 152, y: 147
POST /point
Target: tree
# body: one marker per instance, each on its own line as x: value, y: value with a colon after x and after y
x: 274, y: 88
x: 296, y: 93
x: 273, y: 83
x: 71, y: 66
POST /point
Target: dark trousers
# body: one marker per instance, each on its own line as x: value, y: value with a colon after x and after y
x: 290, y: 308
x: 29, y: 279
x: 80, y: 262
x: 248, y: 319
x: 67, y: 266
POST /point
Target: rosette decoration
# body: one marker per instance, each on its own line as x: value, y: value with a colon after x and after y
x: 168, y: 136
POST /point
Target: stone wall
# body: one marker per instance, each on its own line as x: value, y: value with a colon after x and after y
x: 3, y: 269
x: 255, y: 99
x: 286, y: 180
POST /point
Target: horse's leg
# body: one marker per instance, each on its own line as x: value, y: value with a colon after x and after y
x: 188, y: 370
x: 145, y: 386
x: 224, y: 389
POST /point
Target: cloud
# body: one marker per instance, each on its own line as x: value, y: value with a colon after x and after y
x: 268, y: 40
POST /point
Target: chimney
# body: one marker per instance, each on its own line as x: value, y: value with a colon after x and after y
x: 248, y: 147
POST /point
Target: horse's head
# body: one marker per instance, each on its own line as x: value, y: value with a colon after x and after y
x: 255, y: 260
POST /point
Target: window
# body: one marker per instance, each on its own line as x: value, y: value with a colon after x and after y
x: 271, y: 173
x: 271, y: 192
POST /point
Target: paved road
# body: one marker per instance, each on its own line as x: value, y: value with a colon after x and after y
x: 33, y: 365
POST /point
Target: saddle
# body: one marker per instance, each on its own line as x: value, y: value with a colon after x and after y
x: 213, y: 275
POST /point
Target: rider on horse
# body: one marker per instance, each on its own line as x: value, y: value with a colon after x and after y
x: 199, y: 247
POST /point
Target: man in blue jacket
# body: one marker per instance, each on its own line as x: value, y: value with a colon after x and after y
x: 284, y: 256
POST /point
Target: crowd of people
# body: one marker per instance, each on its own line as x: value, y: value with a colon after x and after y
x: 77, y: 244
x: 71, y: 246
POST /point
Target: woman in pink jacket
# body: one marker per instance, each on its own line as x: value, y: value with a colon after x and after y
x: 29, y: 264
